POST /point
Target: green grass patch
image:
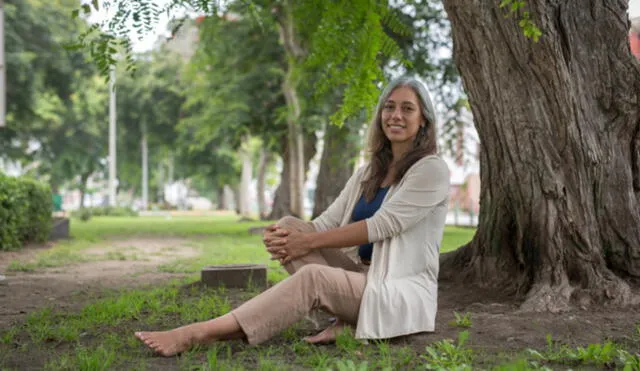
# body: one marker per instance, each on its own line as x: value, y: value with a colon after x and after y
x: 100, y: 334
x: 183, y: 226
x: 461, y: 320
x: 454, y: 237
x: 607, y: 354
x: 220, y: 240
x: 63, y: 253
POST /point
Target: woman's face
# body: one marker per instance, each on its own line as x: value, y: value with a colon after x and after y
x: 401, y: 115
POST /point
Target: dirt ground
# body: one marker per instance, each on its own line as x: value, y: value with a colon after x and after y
x: 497, y: 324
x: 72, y: 286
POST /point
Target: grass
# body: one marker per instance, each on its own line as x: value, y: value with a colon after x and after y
x: 218, y: 239
x: 99, y: 335
x: 461, y: 320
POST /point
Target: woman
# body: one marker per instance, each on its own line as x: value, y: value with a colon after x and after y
x: 371, y: 259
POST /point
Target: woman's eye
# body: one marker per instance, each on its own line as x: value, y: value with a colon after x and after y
x: 389, y: 107
x: 407, y: 108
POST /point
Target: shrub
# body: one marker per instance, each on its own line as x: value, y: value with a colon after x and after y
x: 86, y: 213
x: 39, y: 213
x: 25, y: 212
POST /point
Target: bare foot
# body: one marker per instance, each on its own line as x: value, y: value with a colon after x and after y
x: 167, y: 343
x: 329, y: 335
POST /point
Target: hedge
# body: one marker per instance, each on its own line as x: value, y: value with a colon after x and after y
x: 25, y: 212
x: 89, y: 212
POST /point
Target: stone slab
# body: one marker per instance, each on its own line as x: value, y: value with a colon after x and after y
x: 235, y: 276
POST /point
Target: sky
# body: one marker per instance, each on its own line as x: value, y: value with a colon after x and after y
x: 634, y: 8
x: 147, y: 42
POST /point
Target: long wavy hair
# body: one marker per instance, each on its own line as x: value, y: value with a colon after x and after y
x: 379, y: 146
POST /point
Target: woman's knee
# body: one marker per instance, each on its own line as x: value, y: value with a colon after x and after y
x: 312, y: 272
x: 293, y: 223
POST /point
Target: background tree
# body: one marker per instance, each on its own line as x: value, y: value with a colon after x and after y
x: 303, y: 28
x: 149, y: 109
x: 40, y: 68
x: 234, y: 91
x: 423, y: 37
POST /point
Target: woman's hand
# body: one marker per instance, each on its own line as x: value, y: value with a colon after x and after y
x: 293, y: 246
x: 271, y: 233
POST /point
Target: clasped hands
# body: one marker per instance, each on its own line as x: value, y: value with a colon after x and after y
x: 285, y: 245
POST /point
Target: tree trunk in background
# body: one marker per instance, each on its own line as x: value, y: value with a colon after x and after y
x: 281, y: 203
x: 265, y: 159
x: 222, y: 200
x: 83, y: 187
x: 160, y: 190
x: 145, y: 168
x: 559, y: 123
x: 236, y: 199
x: 289, y: 87
x: 339, y: 155
x: 245, y: 182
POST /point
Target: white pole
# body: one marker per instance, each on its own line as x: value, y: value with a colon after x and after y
x: 112, y: 137
x: 145, y: 169
x: 3, y: 75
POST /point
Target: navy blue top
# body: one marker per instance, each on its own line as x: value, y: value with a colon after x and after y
x: 364, y: 210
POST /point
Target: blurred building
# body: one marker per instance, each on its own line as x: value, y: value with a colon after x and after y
x: 634, y: 37
x: 464, y: 165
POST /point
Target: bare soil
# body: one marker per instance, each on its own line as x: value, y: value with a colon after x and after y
x: 498, y: 325
x: 72, y: 286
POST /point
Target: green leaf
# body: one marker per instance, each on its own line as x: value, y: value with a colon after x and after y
x: 75, y: 13
x: 72, y: 47
x: 96, y: 4
x: 86, y: 8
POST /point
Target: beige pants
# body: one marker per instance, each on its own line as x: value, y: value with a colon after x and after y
x: 324, y: 279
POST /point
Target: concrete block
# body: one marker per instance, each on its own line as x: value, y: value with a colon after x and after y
x: 235, y: 275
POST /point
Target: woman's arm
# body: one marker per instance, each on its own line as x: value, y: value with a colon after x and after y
x: 353, y: 234
x: 298, y: 244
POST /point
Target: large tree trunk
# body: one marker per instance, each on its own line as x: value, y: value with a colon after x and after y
x: 336, y: 166
x: 281, y: 200
x: 559, y: 122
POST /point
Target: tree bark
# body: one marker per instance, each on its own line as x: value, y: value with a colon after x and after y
x: 336, y: 165
x: 84, y: 178
x: 245, y: 181
x: 222, y: 200
x: 281, y: 200
x: 145, y: 167
x: 265, y: 159
x: 236, y: 199
x: 83, y: 188
x: 289, y: 87
x: 559, y: 123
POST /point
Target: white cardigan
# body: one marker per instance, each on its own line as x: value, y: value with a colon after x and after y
x: 401, y: 294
